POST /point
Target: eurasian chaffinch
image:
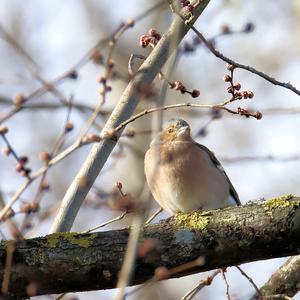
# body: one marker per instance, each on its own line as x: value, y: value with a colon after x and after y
x: 185, y: 176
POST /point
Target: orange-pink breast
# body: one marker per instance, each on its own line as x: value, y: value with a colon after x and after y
x: 182, y: 178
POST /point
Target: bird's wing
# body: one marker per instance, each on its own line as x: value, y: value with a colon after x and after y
x: 218, y: 165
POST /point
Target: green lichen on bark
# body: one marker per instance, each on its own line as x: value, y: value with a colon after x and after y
x: 85, y: 241
x: 193, y: 220
x: 281, y: 202
x: 200, y: 221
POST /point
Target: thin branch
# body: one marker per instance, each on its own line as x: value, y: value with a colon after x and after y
x: 21, y: 165
x: 172, y: 106
x: 226, y: 284
x: 14, y: 229
x: 157, y: 212
x: 84, y: 107
x: 79, y: 142
x: 251, y: 281
x: 162, y: 273
x: 51, y: 86
x: 120, y: 217
x: 31, y: 64
x: 56, y: 148
x: 14, y: 198
x: 131, y: 62
x: 203, y: 283
x: 218, y: 54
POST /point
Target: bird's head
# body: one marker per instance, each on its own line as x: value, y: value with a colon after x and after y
x: 176, y: 130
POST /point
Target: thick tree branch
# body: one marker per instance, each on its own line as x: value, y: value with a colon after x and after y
x: 64, y: 262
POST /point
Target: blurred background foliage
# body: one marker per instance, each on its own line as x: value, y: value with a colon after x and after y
x: 56, y: 34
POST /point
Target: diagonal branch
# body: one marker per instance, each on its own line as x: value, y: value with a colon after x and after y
x: 65, y: 262
x: 230, y: 61
x: 123, y: 110
x: 261, y: 74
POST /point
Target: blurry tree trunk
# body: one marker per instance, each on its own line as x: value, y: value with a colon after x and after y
x: 285, y: 281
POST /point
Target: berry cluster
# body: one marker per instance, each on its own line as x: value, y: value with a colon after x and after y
x: 245, y: 112
x: 151, y: 39
x: 178, y: 86
x: 234, y: 88
x: 187, y: 5
x: 7, y: 150
x: 236, y: 94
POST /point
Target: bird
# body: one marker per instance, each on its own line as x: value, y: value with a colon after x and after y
x: 185, y: 176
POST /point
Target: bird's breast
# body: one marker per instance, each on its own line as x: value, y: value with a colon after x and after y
x: 182, y: 178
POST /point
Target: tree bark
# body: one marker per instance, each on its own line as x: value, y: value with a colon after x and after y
x: 65, y: 262
x: 285, y: 281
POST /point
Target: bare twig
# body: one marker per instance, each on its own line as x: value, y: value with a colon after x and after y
x: 51, y: 86
x: 162, y: 273
x: 14, y: 198
x: 107, y: 76
x: 226, y: 284
x: 23, y: 170
x: 172, y: 106
x: 120, y: 217
x: 218, y: 54
x: 56, y: 148
x: 11, y: 222
x: 157, y: 212
x: 32, y: 66
x: 203, y: 283
x: 260, y: 296
x: 79, y: 142
x: 131, y: 62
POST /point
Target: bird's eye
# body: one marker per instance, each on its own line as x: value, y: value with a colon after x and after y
x: 170, y: 130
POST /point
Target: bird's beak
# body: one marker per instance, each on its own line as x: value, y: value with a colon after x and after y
x: 183, y: 131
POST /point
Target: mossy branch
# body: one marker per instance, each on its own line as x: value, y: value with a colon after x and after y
x: 65, y: 262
